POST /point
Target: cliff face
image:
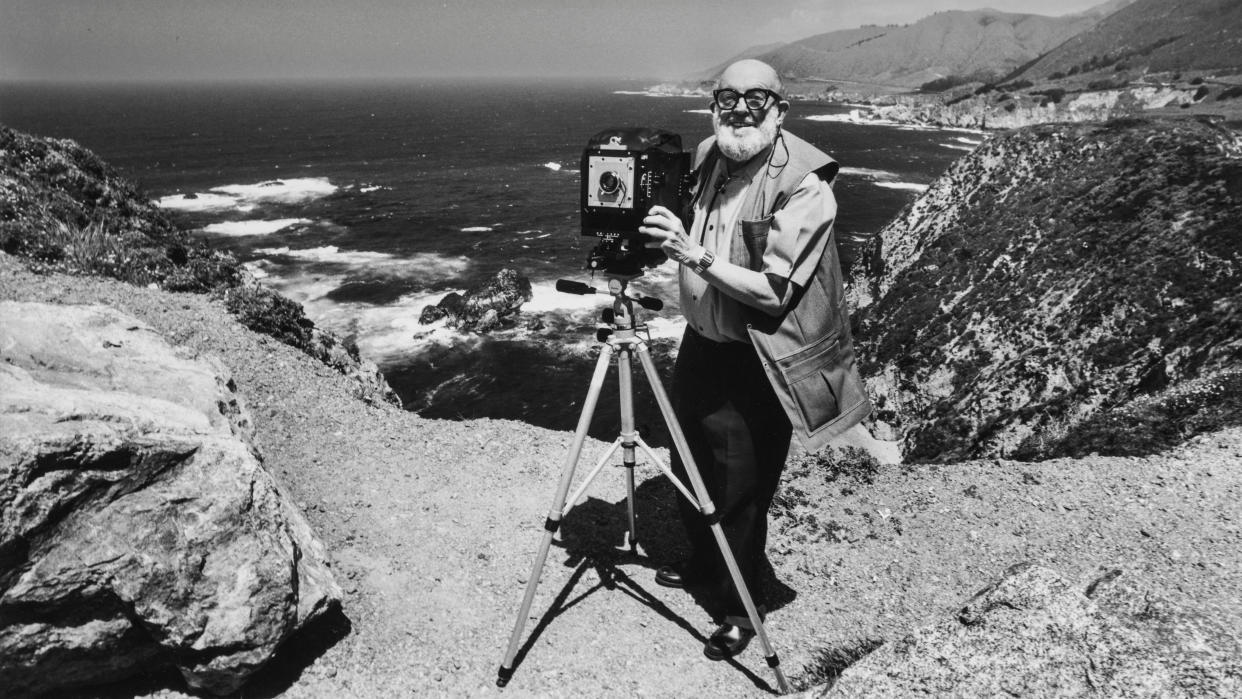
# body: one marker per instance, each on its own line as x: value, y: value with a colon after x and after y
x: 1057, y: 276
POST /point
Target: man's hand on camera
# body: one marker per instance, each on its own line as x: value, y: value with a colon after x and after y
x: 667, y: 232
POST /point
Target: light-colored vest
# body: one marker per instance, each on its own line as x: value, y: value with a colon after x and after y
x: 806, y: 351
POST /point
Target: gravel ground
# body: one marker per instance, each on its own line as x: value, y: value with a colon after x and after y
x: 433, y: 525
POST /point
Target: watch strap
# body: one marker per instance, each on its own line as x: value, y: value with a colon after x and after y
x: 705, y: 261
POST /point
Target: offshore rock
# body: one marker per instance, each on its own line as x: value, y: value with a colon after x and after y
x: 137, y: 525
x: 1056, y: 275
x: 1033, y: 633
x: 491, y: 305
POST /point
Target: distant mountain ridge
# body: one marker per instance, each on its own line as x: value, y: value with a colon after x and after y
x: 1152, y: 35
x: 953, y: 43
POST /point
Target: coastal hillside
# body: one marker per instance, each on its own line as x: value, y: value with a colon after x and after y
x: 1151, y: 36
x: 983, y: 43
x: 1062, y: 290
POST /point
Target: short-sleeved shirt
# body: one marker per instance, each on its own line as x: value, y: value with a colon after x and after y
x: 796, y: 241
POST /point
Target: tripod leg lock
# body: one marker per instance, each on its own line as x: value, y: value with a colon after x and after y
x: 551, y: 525
x: 713, y: 516
x: 773, y: 661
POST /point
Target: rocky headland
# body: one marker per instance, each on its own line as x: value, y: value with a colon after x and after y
x: 1065, y: 295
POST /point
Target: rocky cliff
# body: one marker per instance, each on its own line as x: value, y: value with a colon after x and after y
x: 1062, y: 289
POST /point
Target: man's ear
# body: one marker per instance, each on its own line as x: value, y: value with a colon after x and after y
x: 782, y: 108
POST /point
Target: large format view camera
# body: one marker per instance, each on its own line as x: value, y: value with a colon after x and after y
x: 625, y: 172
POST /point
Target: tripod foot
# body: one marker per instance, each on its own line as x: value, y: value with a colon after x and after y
x: 503, y: 676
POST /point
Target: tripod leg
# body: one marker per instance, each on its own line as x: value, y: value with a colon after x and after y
x: 586, y: 482
x: 554, y: 513
x: 629, y: 436
x: 709, y: 511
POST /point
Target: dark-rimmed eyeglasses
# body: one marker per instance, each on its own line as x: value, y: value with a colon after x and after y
x: 755, y: 98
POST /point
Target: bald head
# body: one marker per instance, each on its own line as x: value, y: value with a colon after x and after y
x: 750, y: 73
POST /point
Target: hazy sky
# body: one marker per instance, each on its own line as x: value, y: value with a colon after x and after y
x: 196, y: 39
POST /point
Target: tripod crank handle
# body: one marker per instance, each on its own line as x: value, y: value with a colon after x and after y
x: 572, y: 287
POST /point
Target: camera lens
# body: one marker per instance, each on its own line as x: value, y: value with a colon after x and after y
x: 609, y: 183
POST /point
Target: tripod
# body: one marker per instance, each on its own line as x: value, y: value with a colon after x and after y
x: 622, y: 340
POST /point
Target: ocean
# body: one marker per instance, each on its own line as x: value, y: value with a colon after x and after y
x: 367, y: 202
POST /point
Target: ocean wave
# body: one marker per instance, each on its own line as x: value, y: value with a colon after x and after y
x: 883, y: 178
x: 477, y: 229
x: 862, y: 117
x: 956, y: 146
x: 426, y: 266
x: 254, y: 226
x: 245, y: 196
x: 968, y: 141
x: 699, y: 111
x: 869, y: 173
x: 553, y: 166
x: 912, y: 186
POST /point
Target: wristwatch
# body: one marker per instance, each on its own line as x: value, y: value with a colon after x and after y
x: 704, y: 262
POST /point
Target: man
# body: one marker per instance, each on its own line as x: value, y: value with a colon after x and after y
x: 767, y: 350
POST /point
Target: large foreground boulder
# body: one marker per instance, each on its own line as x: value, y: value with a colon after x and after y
x: 1034, y: 634
x: 137, y: 525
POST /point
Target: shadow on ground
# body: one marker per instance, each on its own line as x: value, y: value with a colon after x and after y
x: 295, y: 655
x: 594, y: 537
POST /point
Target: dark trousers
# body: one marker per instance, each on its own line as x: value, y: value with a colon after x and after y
x: 739, y: 436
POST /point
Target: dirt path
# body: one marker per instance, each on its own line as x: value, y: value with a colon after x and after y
x: 433, y: 524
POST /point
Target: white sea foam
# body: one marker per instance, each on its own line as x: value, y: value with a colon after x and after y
x: 546, y: 299
x: 838, y: 118
x: 883, y: 178
x: 554, y: 167
x: 864, y: 117
x: 198, y: 202
x: 371, y: 188
x: 476, y: 229
x: 968, y: 141
x: 663, y: 327
x: 912, y: 186
x: 245, y: 196
x: 699, y: 111
x: 426, y: 266
x: 253, y: 227
x: 955, y: 146
x: 868, y: 173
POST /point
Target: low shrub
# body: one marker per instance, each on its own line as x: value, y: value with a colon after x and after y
x: 267, y: 312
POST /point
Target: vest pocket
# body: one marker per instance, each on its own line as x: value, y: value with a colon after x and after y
x: 755, y: 240
x: 820, y: 386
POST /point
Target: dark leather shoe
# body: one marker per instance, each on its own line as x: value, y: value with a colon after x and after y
x: 668, y: 576
x: 727, y: 641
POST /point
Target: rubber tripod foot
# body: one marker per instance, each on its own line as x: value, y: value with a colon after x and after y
x: 503, y: 676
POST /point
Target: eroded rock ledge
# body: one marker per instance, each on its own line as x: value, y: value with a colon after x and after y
x: 138, y: 526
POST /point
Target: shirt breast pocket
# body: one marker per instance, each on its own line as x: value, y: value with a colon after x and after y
x: 754, y: 242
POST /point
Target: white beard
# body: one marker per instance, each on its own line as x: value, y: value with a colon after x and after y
x: 741, y: 143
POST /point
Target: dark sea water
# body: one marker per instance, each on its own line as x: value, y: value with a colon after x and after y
x: 366, y: 202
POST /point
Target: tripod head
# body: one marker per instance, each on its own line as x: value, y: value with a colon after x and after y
x: 621, y: 316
